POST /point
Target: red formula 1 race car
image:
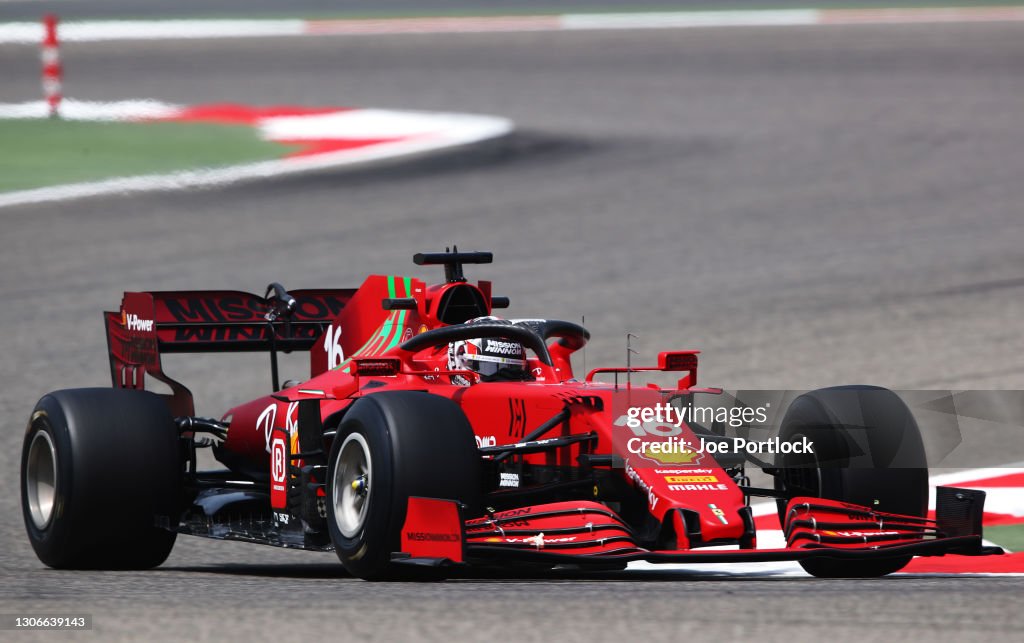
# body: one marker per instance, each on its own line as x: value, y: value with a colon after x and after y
x: 431, y: 436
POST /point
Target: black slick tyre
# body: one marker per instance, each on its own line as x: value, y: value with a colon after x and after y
x: 391, y: 446
x: 100, y: 470
x: 867, y: 451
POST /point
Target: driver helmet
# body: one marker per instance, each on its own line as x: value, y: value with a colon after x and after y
x: 494, y: 359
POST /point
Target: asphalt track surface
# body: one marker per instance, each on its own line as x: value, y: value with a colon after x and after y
x: 809, y: 206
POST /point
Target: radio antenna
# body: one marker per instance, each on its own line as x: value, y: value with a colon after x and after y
x: 629, y: 360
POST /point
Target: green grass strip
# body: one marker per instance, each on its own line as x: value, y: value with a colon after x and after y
x: 46, y: 152
x: 1009, y: 536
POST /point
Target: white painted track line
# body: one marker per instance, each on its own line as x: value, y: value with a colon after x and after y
x: 93, y: 31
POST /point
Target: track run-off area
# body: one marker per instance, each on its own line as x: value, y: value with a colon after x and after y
x: 808, y: 205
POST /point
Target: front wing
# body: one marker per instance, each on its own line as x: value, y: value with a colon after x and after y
x: 587, y: 533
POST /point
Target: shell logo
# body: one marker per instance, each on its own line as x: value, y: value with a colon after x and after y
x: 683, y: 457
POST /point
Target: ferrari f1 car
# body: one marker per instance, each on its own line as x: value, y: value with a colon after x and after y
x: 405, y: 466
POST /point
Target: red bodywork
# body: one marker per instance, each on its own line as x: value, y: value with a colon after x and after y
x: 643, y: 506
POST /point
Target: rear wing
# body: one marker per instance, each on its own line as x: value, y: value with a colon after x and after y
x: 208, y: 321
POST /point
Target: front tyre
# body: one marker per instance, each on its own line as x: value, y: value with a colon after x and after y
x: 391, y: 446
x: 100, y: 468
x: 867, y: 451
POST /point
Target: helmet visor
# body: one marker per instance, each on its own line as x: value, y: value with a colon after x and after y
x: 489, y: 365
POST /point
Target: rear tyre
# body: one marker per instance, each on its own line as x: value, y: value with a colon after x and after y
x: 867, y: 451
x: 391, y: 446
x: 100, y: 468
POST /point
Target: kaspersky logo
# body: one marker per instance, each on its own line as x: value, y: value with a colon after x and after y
x: 131, y: 321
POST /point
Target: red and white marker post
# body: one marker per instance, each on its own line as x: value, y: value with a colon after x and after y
x: 52, y: 71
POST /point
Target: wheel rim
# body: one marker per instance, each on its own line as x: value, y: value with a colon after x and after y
x: 353, y: 474
x: 41, y: 479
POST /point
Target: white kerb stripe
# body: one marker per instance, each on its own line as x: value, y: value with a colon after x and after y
x: 32, y: 32
x: 369, y: 124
